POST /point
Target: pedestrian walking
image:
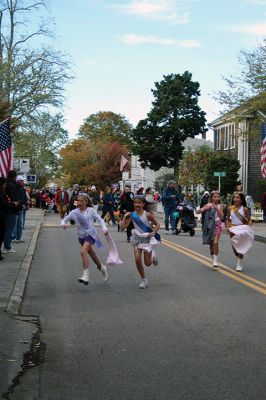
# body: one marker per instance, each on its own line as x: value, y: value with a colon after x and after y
x: 213, y: 225
x: 204, y: 200
x: 238, y: 224
x: 171, y: 198
x: 84, y: 216
x: 144, y: 237
x: 62, y: 201
x: 108, y: 203
x: 127, y: 205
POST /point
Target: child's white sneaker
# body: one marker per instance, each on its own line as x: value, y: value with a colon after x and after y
x: 104, y: 272
x: 143, y: 284
x: 85, y: 277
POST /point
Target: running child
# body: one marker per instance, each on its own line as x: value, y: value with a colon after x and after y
x: 213, y: 225
x: 238, y: 223
x: 144, y: 236
x: 84, y: 216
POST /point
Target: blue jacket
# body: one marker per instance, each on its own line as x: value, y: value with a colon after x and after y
x: 168, y: 200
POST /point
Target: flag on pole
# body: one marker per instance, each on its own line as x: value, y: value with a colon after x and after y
x: 123, y: 163
x: 6, y: 157
x: 263, y: 158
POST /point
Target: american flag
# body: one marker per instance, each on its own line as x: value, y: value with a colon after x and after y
x: 123, y: 162
x: 6, y: 158
x: 263, y: 158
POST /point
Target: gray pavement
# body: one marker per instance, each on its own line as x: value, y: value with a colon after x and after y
x: 16, y: 330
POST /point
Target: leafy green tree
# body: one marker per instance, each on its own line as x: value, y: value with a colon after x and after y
x: 194, y: 166
x: 42, y: 143
x: 175, y: 116
x: 107, y: 127
x: 30, y: 78
x: 224, y: 163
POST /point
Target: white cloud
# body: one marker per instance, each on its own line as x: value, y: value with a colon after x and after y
x: 133, y: 39
x: 169, y: 10
x: 255, y: 29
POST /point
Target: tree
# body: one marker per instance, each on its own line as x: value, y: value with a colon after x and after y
x: 224, y: 163
x: 194, y: 166
x: 107, y: 127
x: 30, y: 79
x: 246, y: 93
x: 41, y: 142
x: 85, y: 162
x: 174, y: 117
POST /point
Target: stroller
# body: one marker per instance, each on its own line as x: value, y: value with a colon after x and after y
x: 188, y: 221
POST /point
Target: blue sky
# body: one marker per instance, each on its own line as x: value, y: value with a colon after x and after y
x: 121, y: 47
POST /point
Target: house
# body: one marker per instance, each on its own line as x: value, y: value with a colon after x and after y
x: 145, y: 177
x: 231, y: 137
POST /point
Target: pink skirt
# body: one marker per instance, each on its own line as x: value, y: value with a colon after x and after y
x: 219, y: 227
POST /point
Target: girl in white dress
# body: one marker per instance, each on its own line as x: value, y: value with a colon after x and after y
x: 144, y: 238
x: 84, y: 218
x: 238, y: 223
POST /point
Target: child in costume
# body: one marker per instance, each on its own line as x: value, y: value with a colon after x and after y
x: 144, y: 236
x: 84, y: 217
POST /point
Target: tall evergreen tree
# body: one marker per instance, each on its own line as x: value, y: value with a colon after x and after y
x: 175, y: 116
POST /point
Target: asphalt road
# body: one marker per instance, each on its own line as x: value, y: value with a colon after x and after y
x: 194, y: 334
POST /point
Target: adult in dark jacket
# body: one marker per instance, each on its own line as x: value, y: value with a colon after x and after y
x: 3, y: 212
x: 263, y: 205
x: 108, y: 203
x: 12, y: 192
x: 23, y: 199
x: 127, y: 205
x: 171, y: 198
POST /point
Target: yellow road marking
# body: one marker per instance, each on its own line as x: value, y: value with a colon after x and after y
x: 229, y: 273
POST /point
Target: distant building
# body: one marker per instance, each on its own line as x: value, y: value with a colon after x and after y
x: 231, y: 138
x: 145, y: 177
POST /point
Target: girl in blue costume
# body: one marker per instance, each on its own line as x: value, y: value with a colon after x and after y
x: 144, y: 236
x: 84, y: 218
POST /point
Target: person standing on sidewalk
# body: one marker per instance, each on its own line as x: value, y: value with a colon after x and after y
x: 171, y: 198
x: 263, y: 205
x: 84, y: 217
x: 238, y: 224
x: 3, y: 212
x: 12, y: 192
x: 17, y: 232
x: 144, y: 236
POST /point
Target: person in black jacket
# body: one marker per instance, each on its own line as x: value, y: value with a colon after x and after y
x: 108, y: 203
x: 14, y: 198
x: 23, y: 199
x: 127, y: 205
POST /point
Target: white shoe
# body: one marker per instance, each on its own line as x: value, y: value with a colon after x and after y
x: 85, y: 277
x: 166, y: 232
x: 239, y: 266
x: 155, y: 260
x: 5, y: 251
x: 104, y: 272
x: 214, y: 262
x: 143, y: 284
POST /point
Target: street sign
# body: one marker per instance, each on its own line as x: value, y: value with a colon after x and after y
x: 31, y: 179
x: 219, y: 173
x: 24, y: 165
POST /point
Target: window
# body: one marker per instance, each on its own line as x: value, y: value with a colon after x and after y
x: 226, y: 138
x: 232, y: 137
x: 217, y: 139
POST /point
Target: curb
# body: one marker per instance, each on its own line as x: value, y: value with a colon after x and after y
x: 16, y: 297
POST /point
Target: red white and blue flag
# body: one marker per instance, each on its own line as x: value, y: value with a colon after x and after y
x: 263, y: 158
x: 6, y: 158
x: 123, y: 163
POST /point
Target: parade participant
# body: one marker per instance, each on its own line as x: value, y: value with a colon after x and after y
x: 213, y: 226
x: 84, y: 217
x: 238, y: 223
x: 144, y: 238
x: 204, y: 200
